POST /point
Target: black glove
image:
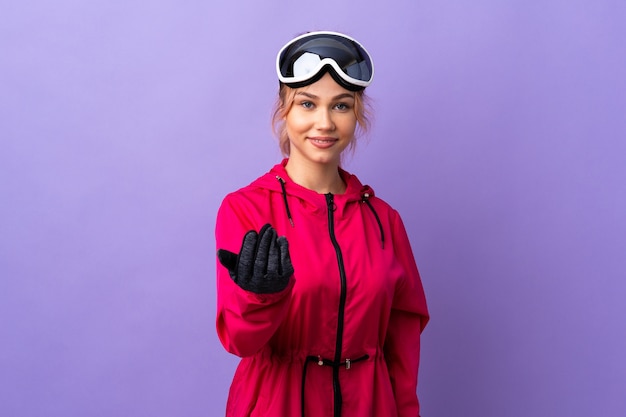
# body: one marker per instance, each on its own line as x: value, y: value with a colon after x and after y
x: 263, y: 265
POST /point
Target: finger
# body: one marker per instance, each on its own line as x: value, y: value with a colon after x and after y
x: 273, y: 260
x: 246, y: 256
x: 265, y: 228
x: 285, y: 259
x: 266, y: 240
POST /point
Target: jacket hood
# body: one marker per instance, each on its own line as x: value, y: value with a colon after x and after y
x: 277, y: 180
x: 355, y: 191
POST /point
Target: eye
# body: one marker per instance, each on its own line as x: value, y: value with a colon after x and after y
x: 307, y: 104
x: 342, y: 106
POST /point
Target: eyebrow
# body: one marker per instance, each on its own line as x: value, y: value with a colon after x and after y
x: 338, y: 97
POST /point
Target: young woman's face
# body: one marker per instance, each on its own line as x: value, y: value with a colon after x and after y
x: 321, y: 122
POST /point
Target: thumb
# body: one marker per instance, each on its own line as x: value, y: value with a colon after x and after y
x: 227, y: 258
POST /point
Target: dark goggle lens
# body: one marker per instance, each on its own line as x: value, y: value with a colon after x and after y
x: 300, y: 60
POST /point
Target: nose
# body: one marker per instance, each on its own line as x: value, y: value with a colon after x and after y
x: 325, y: 120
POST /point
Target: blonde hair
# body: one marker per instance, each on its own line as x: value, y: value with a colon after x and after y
x: 284, y: 102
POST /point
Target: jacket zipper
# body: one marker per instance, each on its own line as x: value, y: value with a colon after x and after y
x: 342, y: 304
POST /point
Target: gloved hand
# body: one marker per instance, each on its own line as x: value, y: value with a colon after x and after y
x: 263, y: 265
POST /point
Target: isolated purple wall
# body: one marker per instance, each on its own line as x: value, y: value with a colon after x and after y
x: 499, y: 135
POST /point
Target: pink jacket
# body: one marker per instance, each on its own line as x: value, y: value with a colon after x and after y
x: 343, y: 339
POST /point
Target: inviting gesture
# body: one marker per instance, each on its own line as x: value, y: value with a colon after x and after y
x: 263, y: 265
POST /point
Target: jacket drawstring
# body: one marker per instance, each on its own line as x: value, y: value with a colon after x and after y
x: 282, y: 186
x: 323, y: 362
x: 366, y: 200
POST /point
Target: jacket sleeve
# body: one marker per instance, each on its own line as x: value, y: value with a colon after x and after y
x: 409, y: 315
x: 245, y: 321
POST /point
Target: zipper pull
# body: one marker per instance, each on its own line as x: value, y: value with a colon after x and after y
x: 330, y: 202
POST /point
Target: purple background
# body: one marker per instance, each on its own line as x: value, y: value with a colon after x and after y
x: 499, y: 136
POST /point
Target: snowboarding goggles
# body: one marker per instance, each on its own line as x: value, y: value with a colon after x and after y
x: 306, y: 58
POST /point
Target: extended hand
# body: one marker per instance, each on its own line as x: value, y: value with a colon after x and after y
x: 263, y: 265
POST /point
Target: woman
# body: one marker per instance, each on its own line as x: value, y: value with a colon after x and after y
x: 318, y: 290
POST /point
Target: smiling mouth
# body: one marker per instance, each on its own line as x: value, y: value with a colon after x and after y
x: 323, y: 140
